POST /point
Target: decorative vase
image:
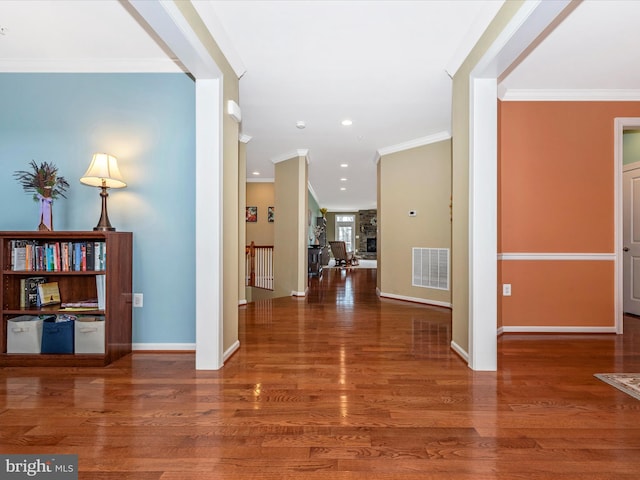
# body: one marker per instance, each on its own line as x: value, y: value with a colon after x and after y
x: 46, y: 211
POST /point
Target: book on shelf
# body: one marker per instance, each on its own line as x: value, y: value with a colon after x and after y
x: 23, y: 292
x: 31, y: 291
x: 18, y: 255
x: 48, y: 293
x: 63, y: 256
x: 101, y: 288
x: 90, y: 303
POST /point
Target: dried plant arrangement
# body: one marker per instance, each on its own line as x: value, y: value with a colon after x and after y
x: 46, y: 185
x: 42, y: 180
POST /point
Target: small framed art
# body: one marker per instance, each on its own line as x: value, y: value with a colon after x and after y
x: 252, y: 214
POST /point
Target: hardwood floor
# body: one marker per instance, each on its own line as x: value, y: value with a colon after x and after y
x: 339, y: 385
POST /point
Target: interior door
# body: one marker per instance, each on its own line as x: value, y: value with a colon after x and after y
x: 631, y: 239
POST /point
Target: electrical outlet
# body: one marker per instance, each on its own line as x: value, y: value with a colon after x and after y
x: 137, y: 300
x: 506, y: 289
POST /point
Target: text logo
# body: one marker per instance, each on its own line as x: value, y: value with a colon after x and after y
x: 50, y: 467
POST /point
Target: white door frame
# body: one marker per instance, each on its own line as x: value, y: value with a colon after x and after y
x: 527, y: 27
x: 620, y: 124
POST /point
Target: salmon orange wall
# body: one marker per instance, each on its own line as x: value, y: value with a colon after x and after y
x: 556, y: 195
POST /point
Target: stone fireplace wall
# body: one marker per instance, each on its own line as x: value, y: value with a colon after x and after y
x: 368, y: 221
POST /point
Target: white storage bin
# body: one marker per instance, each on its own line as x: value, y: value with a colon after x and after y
x: 24, y: 334
x: 89, y: 336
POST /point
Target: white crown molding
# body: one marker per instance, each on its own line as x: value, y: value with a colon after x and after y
x: 558, y: 256
x: 301, y: 152
x: 244, y: 138
x: 261, y: 180
x: 595, y: 95
x: 91, y: 65
x: 418, y: 142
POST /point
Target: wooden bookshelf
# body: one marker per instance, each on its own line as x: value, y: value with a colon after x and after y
x: 74, y: 285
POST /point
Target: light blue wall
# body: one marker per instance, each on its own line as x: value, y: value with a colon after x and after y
x: 148, y: 122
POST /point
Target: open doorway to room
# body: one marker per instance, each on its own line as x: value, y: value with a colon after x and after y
x: 630, y: 164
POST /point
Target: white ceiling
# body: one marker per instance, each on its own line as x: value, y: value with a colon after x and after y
x: 382, y: 64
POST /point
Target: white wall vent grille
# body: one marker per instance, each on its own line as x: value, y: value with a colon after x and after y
x: 431, y: 268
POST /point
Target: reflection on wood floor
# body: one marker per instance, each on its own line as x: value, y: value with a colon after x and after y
x: 339, y: 385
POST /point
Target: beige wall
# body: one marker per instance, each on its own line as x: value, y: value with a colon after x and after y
x: 460, y: 175
x: 261, y: 195
x: 417, y: 179
x: 230, y: 176
x: 291, y: 229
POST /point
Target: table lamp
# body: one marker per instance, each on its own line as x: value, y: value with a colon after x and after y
x: 103, y: 173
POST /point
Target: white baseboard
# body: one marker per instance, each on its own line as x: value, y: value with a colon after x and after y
x: 230, y: 351
x: 551, y: 329
x: 298, y: 294
x: 413, y: 299
x: 242, y: 302
x: 181, y: 347
x: 460, y: 351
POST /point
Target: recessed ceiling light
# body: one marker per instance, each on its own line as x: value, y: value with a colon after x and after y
x: 300, y: 124
x: 255, y: 173
x: 343, y: 188
x: 343, y: 179
x: 346, y: 122
x: 344, y: 165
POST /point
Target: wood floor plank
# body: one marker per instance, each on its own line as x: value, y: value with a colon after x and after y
x: 339, y: 385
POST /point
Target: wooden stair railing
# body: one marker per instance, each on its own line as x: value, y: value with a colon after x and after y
x: 259, y: 266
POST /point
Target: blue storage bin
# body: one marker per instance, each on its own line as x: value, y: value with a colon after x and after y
x: 57, y: 337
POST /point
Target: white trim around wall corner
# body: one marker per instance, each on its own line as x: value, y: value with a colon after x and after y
x: 413, y: 299
x: 242, y: 302
x: 557, y: 256
x: 548, y: 329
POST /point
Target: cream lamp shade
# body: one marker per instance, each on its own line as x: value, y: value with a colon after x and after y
x: 103, y: 172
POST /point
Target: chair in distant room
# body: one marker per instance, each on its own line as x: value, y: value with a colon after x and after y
x: 340, y: 254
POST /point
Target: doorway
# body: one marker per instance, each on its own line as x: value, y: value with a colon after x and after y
x: 622, y: 296
x: 631, y: 222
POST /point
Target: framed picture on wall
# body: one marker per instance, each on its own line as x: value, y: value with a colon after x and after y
x: 270, y: 213
x: 252, y: 214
